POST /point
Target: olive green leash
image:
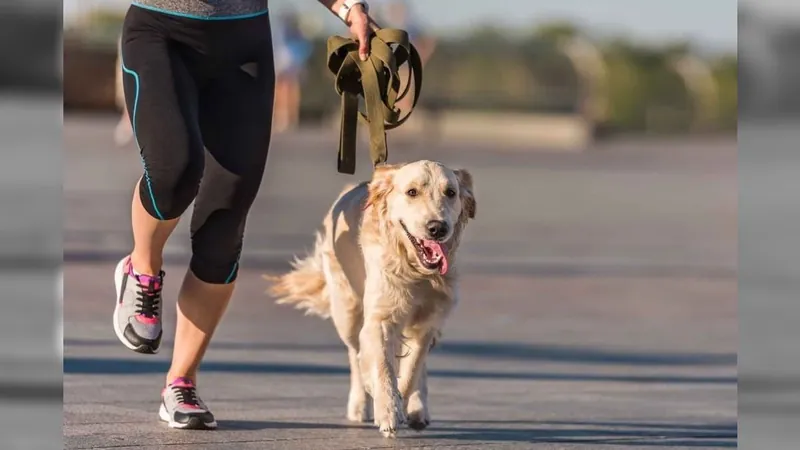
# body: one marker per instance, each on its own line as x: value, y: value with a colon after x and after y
x: 376, y: 80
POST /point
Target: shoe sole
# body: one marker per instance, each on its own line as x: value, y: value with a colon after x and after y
x: 145, y: 349
x: 194, y: 423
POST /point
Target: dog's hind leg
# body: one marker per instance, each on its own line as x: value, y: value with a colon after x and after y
x: 347, y: 317
x: 359, y: 403
x: 413, y: 380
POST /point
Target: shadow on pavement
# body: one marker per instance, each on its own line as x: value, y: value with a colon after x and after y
x: 720, y: 435
x: 491, y: 350
x: 728, y: 427
x: 118, y: 366
x: 723, y: 435
x: 24, y: 392
x: 258, y: 425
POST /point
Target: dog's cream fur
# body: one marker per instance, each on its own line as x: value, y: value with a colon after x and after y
x: 365, y: 274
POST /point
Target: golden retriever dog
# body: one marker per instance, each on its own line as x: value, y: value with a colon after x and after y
x: 384, y: 270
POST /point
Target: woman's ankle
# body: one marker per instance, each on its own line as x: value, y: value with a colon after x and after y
x: 173, y: 377
x: 146, y: 266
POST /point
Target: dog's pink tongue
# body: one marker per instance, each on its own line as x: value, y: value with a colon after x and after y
x: 437, y: 250
x: 443, y: 267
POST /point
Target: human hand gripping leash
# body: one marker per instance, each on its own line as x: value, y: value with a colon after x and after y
x: 377, y: 80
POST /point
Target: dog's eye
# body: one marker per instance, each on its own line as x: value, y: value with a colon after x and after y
x: 450, y: 193
x: 411, y: 192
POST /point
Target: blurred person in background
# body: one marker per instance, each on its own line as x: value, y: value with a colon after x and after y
x: 292, y: 50
x: 198, y: 76
x: 123, y: 132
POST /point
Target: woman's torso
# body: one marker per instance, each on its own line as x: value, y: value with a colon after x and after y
x: 206, y: 9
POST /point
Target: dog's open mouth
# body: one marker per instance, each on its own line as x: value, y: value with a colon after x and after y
x: 432, y: 254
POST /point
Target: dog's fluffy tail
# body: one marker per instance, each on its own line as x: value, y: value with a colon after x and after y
x: 304, y: 286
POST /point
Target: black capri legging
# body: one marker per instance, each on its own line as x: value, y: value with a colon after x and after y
x: 200, y: 96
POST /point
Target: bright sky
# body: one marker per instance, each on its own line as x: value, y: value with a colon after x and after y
x: 712, y: 22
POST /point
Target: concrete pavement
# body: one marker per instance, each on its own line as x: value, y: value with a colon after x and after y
x: 599, y: 305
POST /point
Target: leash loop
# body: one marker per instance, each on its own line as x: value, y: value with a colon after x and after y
x: 377, y: 81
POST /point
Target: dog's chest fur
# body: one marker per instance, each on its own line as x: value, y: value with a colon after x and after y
x: 427, y: 303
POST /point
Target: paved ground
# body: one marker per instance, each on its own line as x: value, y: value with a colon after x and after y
x: 599, y: 306
x: 30, y: 254
x: 769, y: 357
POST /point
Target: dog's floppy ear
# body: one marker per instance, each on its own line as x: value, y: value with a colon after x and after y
x: 468, y: 204
x: 381, y: 184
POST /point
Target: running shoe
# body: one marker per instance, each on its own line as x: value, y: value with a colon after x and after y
x: 137, y: 316
x: 181, y: 407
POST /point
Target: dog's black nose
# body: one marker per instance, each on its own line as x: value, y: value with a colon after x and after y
x: 437, y: 229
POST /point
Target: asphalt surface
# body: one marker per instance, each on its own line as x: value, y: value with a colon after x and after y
x: 30, y: 256
x: 599, y: 305
x: 769, y: 357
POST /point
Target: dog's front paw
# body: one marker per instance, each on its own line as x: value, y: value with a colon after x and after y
x: 417, y: 415
x: 389, y: 415
x: 359, y: 408
x: 418, y: 420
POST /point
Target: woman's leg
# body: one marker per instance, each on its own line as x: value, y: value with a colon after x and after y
x: 235, y: 113
x: 161, y: 99
x: 200, y: 308
x: 150, y: 235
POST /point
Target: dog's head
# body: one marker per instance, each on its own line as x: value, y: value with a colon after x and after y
x: 426, y: 205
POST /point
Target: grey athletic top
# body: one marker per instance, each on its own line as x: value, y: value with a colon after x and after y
x: 206, y: 9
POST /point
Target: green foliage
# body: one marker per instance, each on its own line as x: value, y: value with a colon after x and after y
x: 646, y: 93
x: 626, y: 86
x: 556, y: 31
x: 726, y: 74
